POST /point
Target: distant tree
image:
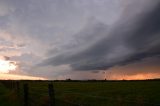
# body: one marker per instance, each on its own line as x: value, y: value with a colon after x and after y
x: 68, y: 79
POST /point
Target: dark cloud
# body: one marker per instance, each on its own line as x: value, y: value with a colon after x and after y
x: 128, y: 41
x: 6, y: 58
x: 149, y: 65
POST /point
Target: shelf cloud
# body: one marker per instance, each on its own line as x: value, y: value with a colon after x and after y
x: 80, y: 38
x: 131, y: 39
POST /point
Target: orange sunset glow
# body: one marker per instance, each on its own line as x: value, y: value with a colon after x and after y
x: 8, y: 66
x: 19, y: 77
x: 134, y: 77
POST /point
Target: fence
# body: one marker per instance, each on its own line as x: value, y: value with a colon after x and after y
x: 28, y: 100
x: 15, y: 85
x: 29, y: 95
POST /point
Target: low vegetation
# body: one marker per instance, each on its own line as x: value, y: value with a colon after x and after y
x: 84, y: 93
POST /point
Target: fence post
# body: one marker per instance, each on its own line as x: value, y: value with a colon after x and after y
x: 17, y: 87
x: 25, y: 87
x: 51, y: 94
x: 12, y: 84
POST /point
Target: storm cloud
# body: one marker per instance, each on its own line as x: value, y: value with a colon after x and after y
x: 80, y: 39
x: 129, y: 40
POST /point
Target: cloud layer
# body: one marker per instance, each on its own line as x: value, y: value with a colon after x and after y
x: 130, y: 40
x: 60, y: 38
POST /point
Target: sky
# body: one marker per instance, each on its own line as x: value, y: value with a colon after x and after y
x: 80, y: 39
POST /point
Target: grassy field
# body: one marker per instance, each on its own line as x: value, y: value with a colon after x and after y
x: 111, y: 93
x: 8, y: 97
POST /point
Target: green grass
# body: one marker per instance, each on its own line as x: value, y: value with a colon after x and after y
x: 120, y: 93
x: 8, y: 97
x: 110, y: 93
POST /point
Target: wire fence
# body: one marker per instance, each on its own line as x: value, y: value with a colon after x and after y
x: 48, y: 96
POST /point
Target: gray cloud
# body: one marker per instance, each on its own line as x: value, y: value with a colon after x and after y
x: 132, y: 39
x: 30, y: 28
x: 78, y: 35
